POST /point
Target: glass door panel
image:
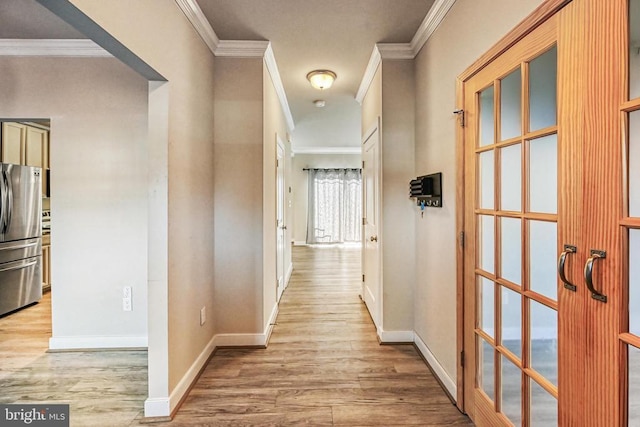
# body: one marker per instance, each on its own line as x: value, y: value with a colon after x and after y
x: 511, y: 178
x: 543, y: 242
x: 543, y: 89
x: 511, y: 106
x: 511, y: 321
x: 486, y: 182
x: 544, y: 407
x: 634, y: 49
x: 511, y: 249
x: 487, y: 126
x: 544, y: 341
x: 511, y: 391
x: 543, y: 174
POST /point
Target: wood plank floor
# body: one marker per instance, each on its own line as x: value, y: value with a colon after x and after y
x: 105, y: 388
x: 323, y: 365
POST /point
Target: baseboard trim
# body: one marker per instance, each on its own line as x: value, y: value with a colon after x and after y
x: 447, y: 382
x: 96, y: 343
x: 299, y: 243
x: 395, y: 337
x: 157, y: 409
x: 287, y: 278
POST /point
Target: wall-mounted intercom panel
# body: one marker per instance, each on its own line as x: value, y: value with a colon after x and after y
x: 427, y: 190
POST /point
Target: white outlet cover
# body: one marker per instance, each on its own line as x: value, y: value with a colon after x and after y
x: 203, y: 315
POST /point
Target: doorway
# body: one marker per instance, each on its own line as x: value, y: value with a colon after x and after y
x: 550, y: 124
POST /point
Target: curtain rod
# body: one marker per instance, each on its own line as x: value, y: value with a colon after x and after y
x: 333, y: 169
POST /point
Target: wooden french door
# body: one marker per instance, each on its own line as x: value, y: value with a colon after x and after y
x: 552, y: 211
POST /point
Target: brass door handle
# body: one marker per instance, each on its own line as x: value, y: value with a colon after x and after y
x: 588, y: 274
x: 568, y: 249
x: 374, y: 238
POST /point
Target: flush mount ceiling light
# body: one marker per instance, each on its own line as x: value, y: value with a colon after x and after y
x: 321, y: 79
x: 319, y: 103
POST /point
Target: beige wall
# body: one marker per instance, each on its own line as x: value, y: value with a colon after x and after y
x: 469, y: 29
x: 300, y: 184
x: 98, y: 112
x: 398, y: 210
x: 238, y: 153
x: 173, y: 48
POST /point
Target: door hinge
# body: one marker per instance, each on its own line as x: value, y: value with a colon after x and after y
x: 461, y: 237
x: 364, y: 221
x: 462, y: 359
x: 363, y: 164
x: 460, y: 114
x: 363, y: 277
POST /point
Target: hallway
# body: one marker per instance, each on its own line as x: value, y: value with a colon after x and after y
x: 323, y: 365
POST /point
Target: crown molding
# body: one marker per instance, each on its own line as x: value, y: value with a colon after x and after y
x: 435, y: 16
x: 272, y: 67
x: 326, y: 150
x: 242, y: 48
x: 395, y: 51
x: 369, y: 73
x: 52, y: 47
x: 201, y: 24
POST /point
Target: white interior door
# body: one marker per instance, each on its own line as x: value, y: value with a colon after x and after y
x: 370, y: 236
x: 281, y: 227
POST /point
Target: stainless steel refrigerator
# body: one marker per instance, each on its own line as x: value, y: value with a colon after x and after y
x: 20, y: 236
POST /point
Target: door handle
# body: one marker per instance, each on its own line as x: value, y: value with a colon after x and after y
x: 568, y: 249
x: 18, y: 267
x: 374, y: 238
x: 588, y: 274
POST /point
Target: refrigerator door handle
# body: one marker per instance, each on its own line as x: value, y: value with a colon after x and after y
x: 4, y: 225
x: 2, y: 201
x: 19, y: 267
x: 24, y: 246
x: 10, y: 202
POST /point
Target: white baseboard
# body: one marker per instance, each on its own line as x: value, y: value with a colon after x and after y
x: 287, y: 278
x: 299, y: 243
x: 162, y: 407
x: 444, y: 377
x: 191, y: 375
x: 93, y: 342
x: 395, y: 336
x: 157, y: 407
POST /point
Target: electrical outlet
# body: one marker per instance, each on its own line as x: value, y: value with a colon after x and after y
x: 126, y: 299
x: 203, y: 315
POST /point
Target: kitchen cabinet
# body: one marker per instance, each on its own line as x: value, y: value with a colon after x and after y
x: 23, y: 144
x: 46, y: 262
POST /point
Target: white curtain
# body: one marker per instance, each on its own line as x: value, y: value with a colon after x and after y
x: 335, y: 205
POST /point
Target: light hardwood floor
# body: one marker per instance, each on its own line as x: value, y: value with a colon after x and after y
x: 323, y: 366
x: 102, y: 388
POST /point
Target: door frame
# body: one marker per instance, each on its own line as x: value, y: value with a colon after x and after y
x: 281, y: 228
x: 465, y: 304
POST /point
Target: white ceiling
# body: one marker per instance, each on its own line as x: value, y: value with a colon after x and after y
x: 305, y: 35
x: 28, y: 19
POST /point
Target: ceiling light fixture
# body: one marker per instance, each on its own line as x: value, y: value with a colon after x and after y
x: 319, y: 103
x: 321, y: 79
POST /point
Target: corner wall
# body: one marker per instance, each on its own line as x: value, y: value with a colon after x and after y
x: 173, y: 49
x: 468, y: 30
